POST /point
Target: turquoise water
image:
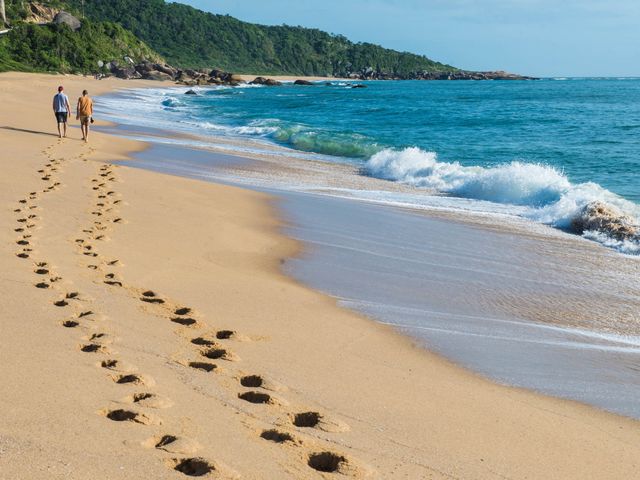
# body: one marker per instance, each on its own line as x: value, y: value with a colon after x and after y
x: 549, y: 147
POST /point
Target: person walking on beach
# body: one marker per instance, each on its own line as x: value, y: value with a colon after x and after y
x: 62, y: 110
x: 84, y: 113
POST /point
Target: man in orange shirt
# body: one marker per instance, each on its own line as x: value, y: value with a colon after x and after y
x: 85, y: 111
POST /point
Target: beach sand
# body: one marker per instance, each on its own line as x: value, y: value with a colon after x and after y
x: 150, y: 328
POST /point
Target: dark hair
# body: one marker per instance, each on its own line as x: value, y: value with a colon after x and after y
x: 84, y: 92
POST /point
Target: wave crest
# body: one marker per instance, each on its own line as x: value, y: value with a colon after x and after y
x: 546, y: 192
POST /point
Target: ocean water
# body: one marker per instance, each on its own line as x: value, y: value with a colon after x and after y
x: 540, y: 150
x: 439, y: 208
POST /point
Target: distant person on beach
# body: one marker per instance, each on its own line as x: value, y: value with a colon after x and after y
x: 84, y: 114
x: 62, y: 110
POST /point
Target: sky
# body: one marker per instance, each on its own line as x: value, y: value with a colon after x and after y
x: 548, y: 38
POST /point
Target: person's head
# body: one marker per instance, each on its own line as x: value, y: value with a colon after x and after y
x: 85, y: 93
x: 60, y: 89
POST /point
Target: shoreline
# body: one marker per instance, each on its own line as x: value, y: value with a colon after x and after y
x: 496, y: 343
x: 390, y: 409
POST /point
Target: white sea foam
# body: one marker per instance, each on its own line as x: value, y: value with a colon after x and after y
x: 547, y: 193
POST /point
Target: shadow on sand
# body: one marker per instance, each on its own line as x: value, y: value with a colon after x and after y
x: 24, y: 130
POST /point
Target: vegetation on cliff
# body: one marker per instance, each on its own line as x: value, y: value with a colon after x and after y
x: 35, y: 43
x: 190, y: 38
x: 57, y: 48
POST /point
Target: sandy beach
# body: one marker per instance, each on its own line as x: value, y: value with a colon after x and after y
x: 148, y: 332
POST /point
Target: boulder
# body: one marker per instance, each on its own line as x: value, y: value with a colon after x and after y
x: 154, y: 75
x: 67, y: 19
x: 358, y: 85
x: 144, y: 68
x: 165, y: 69
x: 302, y: 82
x: 191, y: 92
x: 265, y: 81
x: 128, y: 73
x: 600, y: 217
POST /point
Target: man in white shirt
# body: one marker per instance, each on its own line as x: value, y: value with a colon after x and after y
x: 62, y: 110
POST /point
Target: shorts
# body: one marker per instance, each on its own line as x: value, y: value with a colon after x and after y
x: 85, y: 119
x: 61, y: 117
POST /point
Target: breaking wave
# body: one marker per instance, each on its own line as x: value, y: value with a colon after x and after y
x: 547, y: 194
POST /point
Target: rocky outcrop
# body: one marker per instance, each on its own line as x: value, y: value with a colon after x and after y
x: 269, y: 82
x: 371, y: 74
x: 64, y: 18
x: 602, y: 218
x: 38, y: 13
x: 302, y: 82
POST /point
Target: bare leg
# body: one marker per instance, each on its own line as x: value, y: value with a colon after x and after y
x: 59, y: 130
x: 86, y: 132
x: 65, y: 130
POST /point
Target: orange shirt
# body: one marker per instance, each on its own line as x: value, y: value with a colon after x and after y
x: 85, y: 107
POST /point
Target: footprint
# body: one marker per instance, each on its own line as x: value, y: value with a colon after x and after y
x: 203, y: 341
x: 121, y: 415
x: 316, y: 420
x: 192, y: 467
x: 328, y: 462
x: 42, y: 285
x: 150, y: 297
x: 93, y: 348
x: 102, y: 338
x: 219, y: 354
x: 277, y: 436
x: 117, y: 365
x: 256, y: 397
x: 61, y: 303
x: 22, y: 255
x: 187, y: 322
x: 182, y: 311
x: 173, y: 444
x: 110, y: 279
x: 225, y: 334
x: 70, y: 324
x: 131, y: 379
x: 251, y: 381
x: 150, y: 400
x: 207, y: 367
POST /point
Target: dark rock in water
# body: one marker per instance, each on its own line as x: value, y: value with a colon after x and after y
x: 600, y: 217
x: 66, y: 18
x: 191, y: 92
x: 359, y: 85
x: 302, y: 82
x: 269, y: 82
